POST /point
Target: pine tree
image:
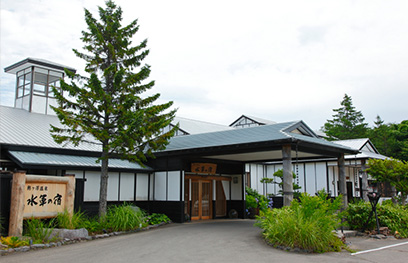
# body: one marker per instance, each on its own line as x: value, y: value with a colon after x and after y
x: 347, y: 123
x: 109, y: 105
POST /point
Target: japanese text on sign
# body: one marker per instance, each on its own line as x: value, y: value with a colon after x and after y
x: 205, y: 168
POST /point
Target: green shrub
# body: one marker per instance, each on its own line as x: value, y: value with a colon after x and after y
x: 254, y: 200
x: 395, y: 217
x: 156, y: 218
x: 124, y: 217
x: 38, y: 230
x: 307, y: 224
x: 64, y: 220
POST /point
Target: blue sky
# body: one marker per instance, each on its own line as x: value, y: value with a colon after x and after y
x: 217, y: 60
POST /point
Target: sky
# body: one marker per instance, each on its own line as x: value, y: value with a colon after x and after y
x: 216, y: 60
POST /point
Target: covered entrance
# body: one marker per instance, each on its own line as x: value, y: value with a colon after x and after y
x: 205, y: 197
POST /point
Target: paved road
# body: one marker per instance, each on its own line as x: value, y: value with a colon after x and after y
x: 211, y: 241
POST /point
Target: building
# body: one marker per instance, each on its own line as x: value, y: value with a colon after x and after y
x: 201, y: 175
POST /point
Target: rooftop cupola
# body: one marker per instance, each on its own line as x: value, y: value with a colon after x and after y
x: 34, y: 78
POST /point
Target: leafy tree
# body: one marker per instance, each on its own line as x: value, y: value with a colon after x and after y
x: 279, y: 174
x: 392, y: 171
x: 401, y: 136
x: 382, y: 136
x: 390, y: 139
x: 347, y: 123
x: 109, y: 105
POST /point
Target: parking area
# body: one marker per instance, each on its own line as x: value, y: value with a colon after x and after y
x: 208, y: 241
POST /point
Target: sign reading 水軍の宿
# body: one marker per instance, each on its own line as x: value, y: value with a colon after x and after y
x: 44, y: 199
x: 206, y: 168
x: 34, y: 196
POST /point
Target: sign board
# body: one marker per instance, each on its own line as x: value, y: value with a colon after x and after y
x: 44, y: 199
x: 34, y: 196
x: 204, y: 168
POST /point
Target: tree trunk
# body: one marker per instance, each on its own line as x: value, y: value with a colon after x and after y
x: 103, y: 190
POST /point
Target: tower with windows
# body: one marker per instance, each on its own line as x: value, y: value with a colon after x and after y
x: 34, y: 79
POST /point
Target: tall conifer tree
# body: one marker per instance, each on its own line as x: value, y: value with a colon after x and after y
x: 347, y: 123
x: 109, y: 105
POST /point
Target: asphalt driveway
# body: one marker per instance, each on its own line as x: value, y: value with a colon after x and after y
x: 212, y: 241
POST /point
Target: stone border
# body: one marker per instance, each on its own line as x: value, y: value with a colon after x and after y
x: 68, y: 241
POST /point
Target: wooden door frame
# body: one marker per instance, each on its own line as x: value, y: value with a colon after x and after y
x: 200, y: 189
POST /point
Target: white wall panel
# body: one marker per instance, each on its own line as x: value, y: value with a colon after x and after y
x: 310, y: 179
x: 226, y: 186
x: 113, y: 187
x: 236, y: 189
x: 127, y: 186
x: 160, y: 186
x: 174, y: 186
x: 92, y: 185
x: 321, y: 176
x: 142, y: 187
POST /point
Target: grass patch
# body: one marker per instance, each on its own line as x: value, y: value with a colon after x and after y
x: 307, y: 224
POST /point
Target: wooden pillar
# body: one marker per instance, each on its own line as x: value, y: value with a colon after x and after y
x: 70, y: 194
x: 364, y: 181
x: 287, y: 175
x: 17, y: 204
x: 342, y: 179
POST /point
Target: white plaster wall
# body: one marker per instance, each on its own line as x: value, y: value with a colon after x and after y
x: 236, y: 189
x: 127, y: 186
x: 174, y: 186
x: 310, y: 179
x: 160, y: 186
x: 113, y: 187
x: 92, y: 185
x: 142, y: 186
x: 321, y: 176
x: 225, y: 185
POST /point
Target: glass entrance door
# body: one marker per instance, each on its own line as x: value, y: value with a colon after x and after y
x: 201, y: 199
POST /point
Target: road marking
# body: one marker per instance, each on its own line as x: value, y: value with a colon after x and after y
x: 376, y: 249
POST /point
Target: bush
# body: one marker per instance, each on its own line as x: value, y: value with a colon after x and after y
x: 64, y: 220
x: 255, y: 201
x: 306, y: 224
x: 124, y: 217
x: 156, y: 218
x: 38, y: 230
x: 395, y: 217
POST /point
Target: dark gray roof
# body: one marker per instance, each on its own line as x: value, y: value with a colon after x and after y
x: 280, y: 132
x: 75, y: 161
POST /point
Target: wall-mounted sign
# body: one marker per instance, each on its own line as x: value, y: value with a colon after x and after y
x: 204, y: 168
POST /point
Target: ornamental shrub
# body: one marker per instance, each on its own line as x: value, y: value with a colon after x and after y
x: 124, y: 217
x: 395, y: 217
x: 156, y: 218
x: 306, y: 224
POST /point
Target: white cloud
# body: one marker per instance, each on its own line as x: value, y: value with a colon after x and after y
x: 280, y: 60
